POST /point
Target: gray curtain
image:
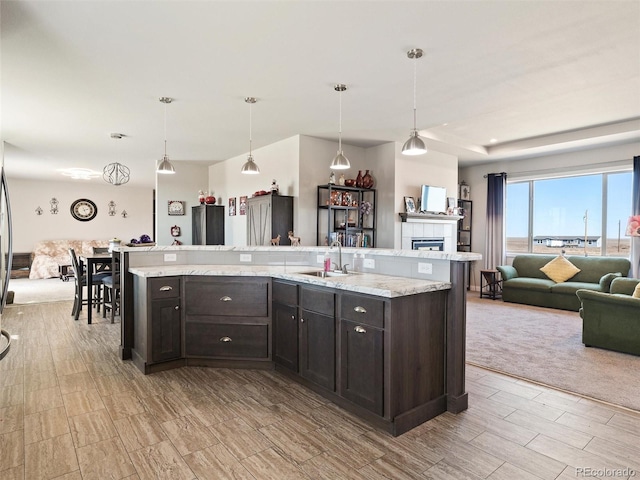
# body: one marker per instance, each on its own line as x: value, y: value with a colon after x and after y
x: 635, y: 210
x: 494, y: 253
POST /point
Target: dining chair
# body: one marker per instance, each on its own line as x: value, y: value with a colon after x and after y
x: 102, y: 267
x: 111, y: 284
x: 81, y: 281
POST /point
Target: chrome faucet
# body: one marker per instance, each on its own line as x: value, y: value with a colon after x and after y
x: 340, y: 266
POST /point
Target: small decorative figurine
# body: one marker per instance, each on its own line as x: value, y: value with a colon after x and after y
x: 341, y: 181
x: 275, y: 241
x: 295, y: 241
x: 332, y: 178
x: 201, y: 197
x: 274, y: 187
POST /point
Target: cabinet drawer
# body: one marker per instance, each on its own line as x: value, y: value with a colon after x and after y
x: 367, y: 310
x: 319, y: 301
x: 227, y: 340
x: 235, y: 298
x: 286, y: 293
x: 165, y: 287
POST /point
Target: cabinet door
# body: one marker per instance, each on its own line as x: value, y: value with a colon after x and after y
x: 166, y: 329
x: 361, y: 365
x: 285, y: 336
x: 317, y: 348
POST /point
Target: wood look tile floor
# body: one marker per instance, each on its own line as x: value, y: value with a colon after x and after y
x: 70, y: 409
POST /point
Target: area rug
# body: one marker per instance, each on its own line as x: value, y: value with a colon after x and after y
x: 545, y: 345
x: 41, y: 290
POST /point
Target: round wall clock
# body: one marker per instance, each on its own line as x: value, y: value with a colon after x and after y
x: 83, y: 210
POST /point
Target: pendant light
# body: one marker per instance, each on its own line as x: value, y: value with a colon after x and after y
x: 250, y: 167
x: 165, y: 166
x: 415, y: 145
x: 340, y: 162
x: 116, y: 173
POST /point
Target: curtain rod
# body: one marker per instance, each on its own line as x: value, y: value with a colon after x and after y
x: 498, y: 174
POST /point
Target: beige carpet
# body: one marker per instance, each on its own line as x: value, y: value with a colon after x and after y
x: 41, y: 290
x: 545, y: 345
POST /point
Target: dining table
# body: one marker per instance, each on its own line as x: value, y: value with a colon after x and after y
x: 91, y: 264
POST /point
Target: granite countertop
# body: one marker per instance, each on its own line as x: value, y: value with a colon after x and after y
x: 368, y: 283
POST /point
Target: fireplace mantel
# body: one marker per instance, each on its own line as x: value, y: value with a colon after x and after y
x: 428, y: 217
x: 429, y: 225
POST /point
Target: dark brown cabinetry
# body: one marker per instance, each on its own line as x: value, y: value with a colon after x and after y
x: 267, y: 217
x: 166, y: 325
x: 362, y: 351
x: 227, y: 318
x: 207, y: 222
x: 285, y: 324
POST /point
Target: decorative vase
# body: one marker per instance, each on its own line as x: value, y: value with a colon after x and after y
x: 367, y: 180
x: 359, y: 179
x: 210, y: 200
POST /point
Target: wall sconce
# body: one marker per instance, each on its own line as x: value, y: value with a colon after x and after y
x: 112, y: 208
x: 124, y: 214
x: 54, y: 206
x: 38, y: 211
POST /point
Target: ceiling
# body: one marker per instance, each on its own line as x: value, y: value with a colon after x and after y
x: 537, y: 77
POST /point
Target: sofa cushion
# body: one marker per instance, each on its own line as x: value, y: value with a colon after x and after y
x: 593, y: 268
x: 530, y: 265
x: 560, y: 269
x: 636, y: 291
x: 605, y: 281
x: 539, y: 284
x: 571, y: 287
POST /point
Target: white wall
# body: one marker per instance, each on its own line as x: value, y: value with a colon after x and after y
x: 277, y: 161
x: 29, y: 228
x: 586, y: 160
x: 411, y: 172
x: 381, y: 160
x: 315, y: 157
x: 184, y: 186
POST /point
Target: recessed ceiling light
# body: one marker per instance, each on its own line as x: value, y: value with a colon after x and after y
x: 493, y: 140
x: 445, y: 124
x: 79, y: 173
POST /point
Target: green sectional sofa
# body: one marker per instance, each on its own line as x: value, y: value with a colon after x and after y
x: 612, y: 320
x: 523, y: 282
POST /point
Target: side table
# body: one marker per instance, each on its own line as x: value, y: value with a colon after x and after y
x: 490, y: 284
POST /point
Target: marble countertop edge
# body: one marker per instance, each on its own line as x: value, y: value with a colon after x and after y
x: 368, y: 283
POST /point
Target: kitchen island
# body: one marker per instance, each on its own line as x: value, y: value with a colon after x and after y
x: 386, y: 343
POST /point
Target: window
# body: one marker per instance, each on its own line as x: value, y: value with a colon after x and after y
x: 573, y: 214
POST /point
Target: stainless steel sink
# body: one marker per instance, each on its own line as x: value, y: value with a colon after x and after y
x: 323, y: 274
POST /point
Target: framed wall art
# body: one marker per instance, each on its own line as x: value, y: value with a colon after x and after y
x: 409, y: 205
x: 232, y: 206
x: 176, y: 207
x: 242, y: 208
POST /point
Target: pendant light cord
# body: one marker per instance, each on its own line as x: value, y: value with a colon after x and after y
x: 250, y: 122
x: 340, y: 121
x: 165, y: 129
x: 415, y: 80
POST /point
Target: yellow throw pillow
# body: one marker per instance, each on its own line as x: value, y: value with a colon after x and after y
x: 560, y: 269
x: 636, y: 292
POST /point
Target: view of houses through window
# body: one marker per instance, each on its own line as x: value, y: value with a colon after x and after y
x: 577, y: 214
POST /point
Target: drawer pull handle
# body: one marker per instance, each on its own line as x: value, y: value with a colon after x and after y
x: 225, y: 339
x: 302, y: 320
x: 360, y: 329
x: 177, y: 307
x: 293, y: 317
x: 225, y: 299
x: 360, y: 309
x: 166, y: 288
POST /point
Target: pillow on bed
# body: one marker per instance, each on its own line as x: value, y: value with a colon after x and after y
x: 560, y: 269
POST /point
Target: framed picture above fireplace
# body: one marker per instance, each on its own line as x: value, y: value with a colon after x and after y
x: 409, y: 205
